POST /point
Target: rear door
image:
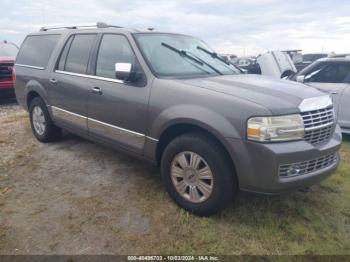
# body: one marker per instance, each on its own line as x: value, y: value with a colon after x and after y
x: 117, y: 114
x: 69, y: 84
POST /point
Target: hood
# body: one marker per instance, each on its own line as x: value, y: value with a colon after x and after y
x: 279, y: 96
x: 7, y: 59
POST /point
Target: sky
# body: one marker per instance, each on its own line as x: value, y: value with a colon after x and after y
x: 244, y: 27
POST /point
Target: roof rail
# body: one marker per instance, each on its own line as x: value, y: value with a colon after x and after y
x: 97, y: 25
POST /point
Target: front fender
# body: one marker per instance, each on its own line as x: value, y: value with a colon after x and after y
x: 196, y: 115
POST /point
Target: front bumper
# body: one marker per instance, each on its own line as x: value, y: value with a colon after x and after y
x: 257, y: 164
x: 8, y: 84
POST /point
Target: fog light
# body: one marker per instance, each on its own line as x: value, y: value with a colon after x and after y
x: 293, y: 170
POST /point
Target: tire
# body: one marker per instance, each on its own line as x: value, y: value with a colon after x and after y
x: 223, y: 184
x: 49, y: 132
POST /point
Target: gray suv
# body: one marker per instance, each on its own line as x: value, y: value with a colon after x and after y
x: 169, y: 99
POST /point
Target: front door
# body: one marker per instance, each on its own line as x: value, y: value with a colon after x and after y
x: 117, y: 111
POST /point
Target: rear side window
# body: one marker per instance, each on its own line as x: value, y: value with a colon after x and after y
x: 79, y: 53
x: 36, y: 50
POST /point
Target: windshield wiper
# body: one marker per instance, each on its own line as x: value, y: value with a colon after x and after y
x: 213, y: 55
x: 182, y: 53
x: 208, y: 65
x: 216, y: 56
x: 196, y: 59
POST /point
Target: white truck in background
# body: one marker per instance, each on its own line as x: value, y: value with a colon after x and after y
x: 277, y: 64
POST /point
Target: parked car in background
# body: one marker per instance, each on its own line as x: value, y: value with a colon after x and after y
x: 276, y: 64
x: 168, y: 98
x: 8, y: 52
x: 295, y: 55
x: 229, y: 57
x: 308, y: 59
x: 332, y: 75
x: 249, y: 64
x: 312, y: 57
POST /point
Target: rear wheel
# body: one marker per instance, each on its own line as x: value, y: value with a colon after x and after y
x: 198, y: 174
x: 41, y: 123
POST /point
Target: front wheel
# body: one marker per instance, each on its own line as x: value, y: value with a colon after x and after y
x: 198, y: 174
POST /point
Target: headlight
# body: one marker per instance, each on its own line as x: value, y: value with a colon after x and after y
x: 276, y: 128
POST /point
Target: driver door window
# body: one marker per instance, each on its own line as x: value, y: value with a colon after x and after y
x: 326, y: 73
x: 329, y: 73
x: 113, y: 49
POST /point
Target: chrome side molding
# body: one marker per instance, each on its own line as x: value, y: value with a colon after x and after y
x: 90, y: 76
x: 111, y: 131
x: 71, y: 117
x: 30, y: 66
x: 128, y: 137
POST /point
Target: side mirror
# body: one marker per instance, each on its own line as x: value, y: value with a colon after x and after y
x: 123, y: 71
x: 300, y: 79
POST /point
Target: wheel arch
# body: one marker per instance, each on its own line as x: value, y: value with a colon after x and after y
x: 183, y: 118
x: 182, y: 127
x: 35, y: 89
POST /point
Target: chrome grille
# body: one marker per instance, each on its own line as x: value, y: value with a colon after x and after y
x: 319, y: 125
x: 306, y: 167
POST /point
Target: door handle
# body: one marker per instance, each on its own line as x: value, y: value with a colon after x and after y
x: 96, y: 90
x: 53, y: 81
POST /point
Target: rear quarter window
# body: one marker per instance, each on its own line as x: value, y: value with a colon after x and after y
x: 36, y: 50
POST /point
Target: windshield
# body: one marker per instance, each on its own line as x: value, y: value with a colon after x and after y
x: 178, y: 55
x: 8, y: 50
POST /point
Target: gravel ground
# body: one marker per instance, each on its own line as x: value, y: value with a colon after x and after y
x: 78, y: 197
x: 70, y: 197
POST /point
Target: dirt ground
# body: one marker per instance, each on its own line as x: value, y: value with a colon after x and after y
x: 78, y: 197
